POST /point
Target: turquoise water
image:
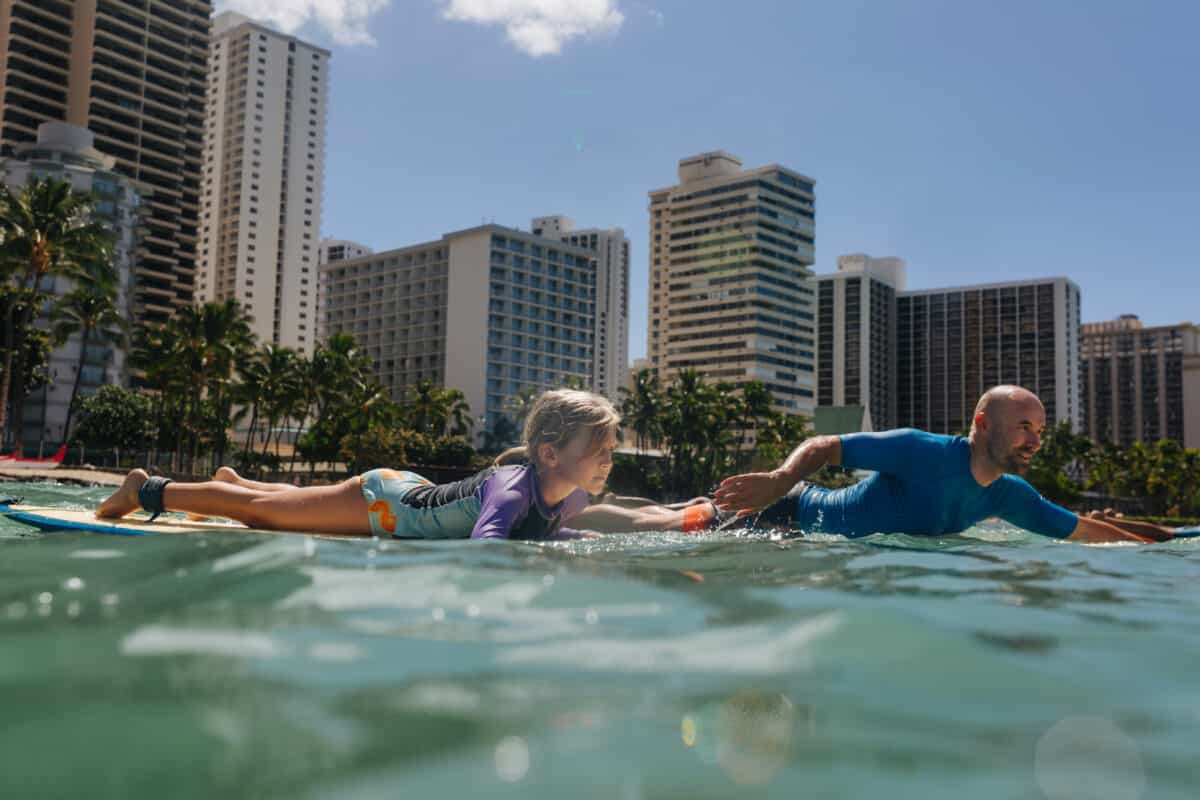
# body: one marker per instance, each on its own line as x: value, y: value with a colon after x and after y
x: 994, y: 664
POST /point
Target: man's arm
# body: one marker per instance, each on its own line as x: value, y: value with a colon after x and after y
x: 757, y: 490
x: 1158, y: 533
x: 1091, y: 531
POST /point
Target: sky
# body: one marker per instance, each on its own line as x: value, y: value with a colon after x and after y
x: 979, y: 141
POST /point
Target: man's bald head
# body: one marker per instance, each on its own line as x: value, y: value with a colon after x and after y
x: 999, y: 401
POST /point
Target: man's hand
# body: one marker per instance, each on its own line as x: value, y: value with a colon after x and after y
x: 751, y: 492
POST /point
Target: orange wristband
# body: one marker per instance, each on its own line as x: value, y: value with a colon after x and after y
x: 697, y: 517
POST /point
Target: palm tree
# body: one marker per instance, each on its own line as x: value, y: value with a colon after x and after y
x: 251, y: 389
x: 458, y: 413
x: 757, y: 405
x: 46, y: 229
x: 336, y: 365
x: 154, y: 357
x: 426, y: 408
x: 642, y: 408
x: 520, y: 404
x: 282, y: 387
x: 89, y: 311
x: 210, y: 340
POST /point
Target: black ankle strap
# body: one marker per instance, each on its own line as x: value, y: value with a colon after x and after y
x: 150, y: 496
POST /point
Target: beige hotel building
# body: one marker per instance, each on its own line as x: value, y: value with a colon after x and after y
x: 263, y: 176
x: 133, y: 73
x: 730, y: 295
x: 490, y: 310
x: 1141, y: 384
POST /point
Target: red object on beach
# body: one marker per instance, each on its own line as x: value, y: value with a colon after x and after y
x: 12, y: 462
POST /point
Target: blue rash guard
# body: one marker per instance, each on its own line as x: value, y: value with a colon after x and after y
x: 922, y: 485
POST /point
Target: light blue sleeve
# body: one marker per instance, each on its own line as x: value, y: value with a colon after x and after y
x: 1024, y: 507
x: 902, y: 451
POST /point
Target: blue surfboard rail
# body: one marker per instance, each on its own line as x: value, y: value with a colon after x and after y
x: 49, y: 523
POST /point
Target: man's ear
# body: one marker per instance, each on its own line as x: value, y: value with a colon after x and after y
x: 981, y: 421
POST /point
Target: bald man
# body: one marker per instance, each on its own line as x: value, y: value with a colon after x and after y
x: 924, y: 484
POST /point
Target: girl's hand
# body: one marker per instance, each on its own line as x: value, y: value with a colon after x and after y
x: 752, y: 492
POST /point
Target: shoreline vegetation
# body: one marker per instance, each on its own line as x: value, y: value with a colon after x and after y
x: 204, y: 393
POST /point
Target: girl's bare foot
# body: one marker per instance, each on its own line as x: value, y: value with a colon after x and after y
x: 124, y: 499
x: 226, y: 475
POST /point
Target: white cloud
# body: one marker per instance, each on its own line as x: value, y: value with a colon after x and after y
x: 344, y: 20
x: 539, y: 27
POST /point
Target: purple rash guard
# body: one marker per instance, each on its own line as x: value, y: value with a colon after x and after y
x: 512, y: 507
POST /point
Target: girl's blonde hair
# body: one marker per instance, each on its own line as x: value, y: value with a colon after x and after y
x: 556, y: 417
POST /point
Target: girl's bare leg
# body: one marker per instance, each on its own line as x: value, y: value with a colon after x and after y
x: 340, y: 508
x: 229, y: 475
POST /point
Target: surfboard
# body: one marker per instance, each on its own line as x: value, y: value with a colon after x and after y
x: 136, y: 524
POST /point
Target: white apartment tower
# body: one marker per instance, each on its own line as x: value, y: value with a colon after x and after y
x: 263, y: 177
x: 611, y: 249
x: 730, y: 289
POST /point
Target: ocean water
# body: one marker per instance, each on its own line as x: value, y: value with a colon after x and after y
x: 992, y: 664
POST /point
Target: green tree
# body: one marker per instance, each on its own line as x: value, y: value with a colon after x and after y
x: 46, y: 229
x: 436, y: 410
x: 500, y: 435
x: 779, y: 435
x: 642, y: 408
x: 89, y: 310
x: 35, y: 345
x: 519, y: 405
x: 339, y: 371
x: 1166, y: 475
x: 1057, y: 462
x: 114, y: 417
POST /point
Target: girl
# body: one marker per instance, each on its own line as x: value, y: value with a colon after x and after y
x: 569, y: 439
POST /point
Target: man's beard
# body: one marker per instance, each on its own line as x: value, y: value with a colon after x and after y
x: 1007, y: 459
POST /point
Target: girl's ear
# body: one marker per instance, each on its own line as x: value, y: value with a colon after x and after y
x: 547, y: 454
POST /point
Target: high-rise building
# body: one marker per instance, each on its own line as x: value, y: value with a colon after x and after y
x: 66, y: 153
x: 922, y: 358
x: 1141, y: 383
x: 955, y: 343
x: 611, y: 249
x: 264, y: 172
x: 133, y: 73
x: 856, y: 336
x: 521, y: 309
x: 730, y: 295
x: 328, y: 251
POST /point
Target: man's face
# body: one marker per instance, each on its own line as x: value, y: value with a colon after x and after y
x: 1015, y: 434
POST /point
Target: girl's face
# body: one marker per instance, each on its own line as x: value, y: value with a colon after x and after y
x: 579, y: 464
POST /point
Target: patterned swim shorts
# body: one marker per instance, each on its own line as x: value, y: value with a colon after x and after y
x: 391, y: 514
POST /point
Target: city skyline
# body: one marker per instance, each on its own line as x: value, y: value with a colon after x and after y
x: 979, y: 146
